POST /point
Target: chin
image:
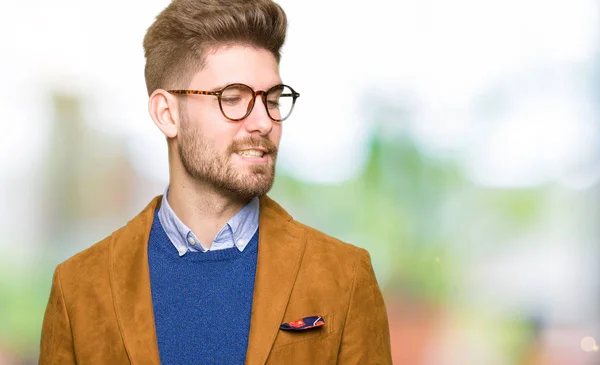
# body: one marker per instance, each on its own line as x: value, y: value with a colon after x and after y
x: 257, y: 188
x: 243, y: 181
x: 253, y: 185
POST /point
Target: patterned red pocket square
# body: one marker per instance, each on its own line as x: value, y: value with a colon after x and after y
x: 303, y: 324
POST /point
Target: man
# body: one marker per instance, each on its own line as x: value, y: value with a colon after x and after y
x: 213, y: 271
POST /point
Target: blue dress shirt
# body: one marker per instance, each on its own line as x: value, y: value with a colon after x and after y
x: 236, y: 232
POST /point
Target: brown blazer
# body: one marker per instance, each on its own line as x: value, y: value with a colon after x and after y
x: 100, y: 306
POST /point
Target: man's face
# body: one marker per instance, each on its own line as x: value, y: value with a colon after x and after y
x: 236, y: 157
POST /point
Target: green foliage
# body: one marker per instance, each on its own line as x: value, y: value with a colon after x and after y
x: 22, y: 303
x: 409, y: 209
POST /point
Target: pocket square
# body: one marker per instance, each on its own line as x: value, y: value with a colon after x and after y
x: 303, y: 324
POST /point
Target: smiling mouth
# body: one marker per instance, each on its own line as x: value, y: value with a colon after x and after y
x: 251, y: 153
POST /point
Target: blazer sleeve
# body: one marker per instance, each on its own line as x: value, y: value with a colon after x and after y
x: 56, y: 346
x: 366, y: 336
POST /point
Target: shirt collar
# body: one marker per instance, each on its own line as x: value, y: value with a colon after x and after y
x: 238, y: 231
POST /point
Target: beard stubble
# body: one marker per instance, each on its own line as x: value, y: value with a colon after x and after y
x: 204, y: 163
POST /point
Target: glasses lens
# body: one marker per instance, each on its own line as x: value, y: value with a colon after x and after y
x: 280, y: 101
x: 235, y: 101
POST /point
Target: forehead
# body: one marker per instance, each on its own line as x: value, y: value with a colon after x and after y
x: 255, y: 67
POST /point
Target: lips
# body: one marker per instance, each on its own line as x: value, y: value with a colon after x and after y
x: 254, y: 148
x: 252, y: 153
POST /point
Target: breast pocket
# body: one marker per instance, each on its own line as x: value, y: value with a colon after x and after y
x: 285, y: 338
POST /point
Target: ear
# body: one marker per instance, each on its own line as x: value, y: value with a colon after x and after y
x: 163, y: 108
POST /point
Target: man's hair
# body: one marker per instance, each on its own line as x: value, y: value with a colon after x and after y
x: 176, y: 44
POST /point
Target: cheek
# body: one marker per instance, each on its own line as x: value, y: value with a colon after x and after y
x: 213, y: 127
x: 205, y: 115
x: 275, y: 135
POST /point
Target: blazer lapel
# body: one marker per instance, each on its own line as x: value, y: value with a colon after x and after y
x: 130, y: 284
x: 280, y: 249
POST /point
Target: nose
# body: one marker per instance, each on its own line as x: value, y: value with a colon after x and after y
x: 258, y: 121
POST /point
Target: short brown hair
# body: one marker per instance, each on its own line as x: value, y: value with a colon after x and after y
x: 176, y: 44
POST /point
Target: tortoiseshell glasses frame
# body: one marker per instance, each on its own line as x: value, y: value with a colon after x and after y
x: 278, y: 91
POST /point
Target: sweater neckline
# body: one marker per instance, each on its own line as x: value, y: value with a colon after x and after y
x: 168, y: 250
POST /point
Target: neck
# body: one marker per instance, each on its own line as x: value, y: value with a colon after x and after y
x: 202, y: 208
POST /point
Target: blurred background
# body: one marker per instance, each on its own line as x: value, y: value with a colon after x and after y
x: 459, y: 142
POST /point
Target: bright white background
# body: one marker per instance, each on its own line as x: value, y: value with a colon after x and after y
x: 507, y: 88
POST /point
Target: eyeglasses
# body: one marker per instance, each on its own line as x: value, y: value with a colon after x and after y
x: 237, y: 100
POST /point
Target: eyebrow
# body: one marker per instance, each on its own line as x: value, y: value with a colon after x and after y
x: 222, y: 86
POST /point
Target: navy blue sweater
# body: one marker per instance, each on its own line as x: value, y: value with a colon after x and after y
x: 202, y: 301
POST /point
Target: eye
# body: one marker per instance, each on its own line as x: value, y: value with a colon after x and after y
x: 273, y: 104
x: 231, y: 99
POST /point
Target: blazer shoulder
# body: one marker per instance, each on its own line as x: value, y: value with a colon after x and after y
x: 317, y: 241
x: 99, y: 253
x: 90, y: 261
x: 322, y: 242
